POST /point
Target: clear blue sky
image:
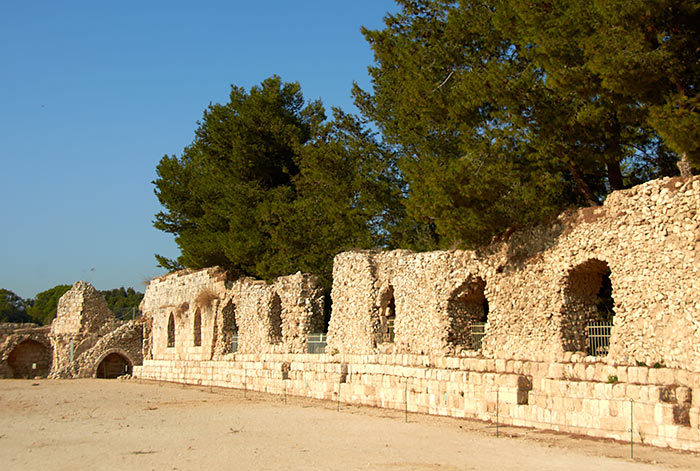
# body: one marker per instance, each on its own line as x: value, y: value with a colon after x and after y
x: 93, y: 94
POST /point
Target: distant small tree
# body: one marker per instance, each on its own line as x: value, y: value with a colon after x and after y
x: 43, y: 308
x: 12, y: 307
x: 123, y: 301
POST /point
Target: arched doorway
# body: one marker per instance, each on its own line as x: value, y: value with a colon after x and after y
x: 275, y: 319
x: 467, y: 310
x: 30, y: 359
x: 385, y: 332
x: 113, y: 365
x: 225, y: 331
x: 171, y: 331
x: 197, y: 329
x: 588, y: 311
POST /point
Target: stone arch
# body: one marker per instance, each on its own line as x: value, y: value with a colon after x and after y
x: 197, y: 329
x: 225, y: 332
x: 30, y: 358
x: 171, y: 331
x: 467, y: 313
x: 384, y: 332
x: 112, y: 364
x: 587, y: 298
x: 275, y: 314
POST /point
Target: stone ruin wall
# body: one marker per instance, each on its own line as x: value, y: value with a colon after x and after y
x: 208, y: 309
x: 84, y: 324
x: 82, y: 318
x: 540, y: 285
x: 22, y: 347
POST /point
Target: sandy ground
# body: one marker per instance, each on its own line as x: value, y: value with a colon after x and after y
x: 109, y: 424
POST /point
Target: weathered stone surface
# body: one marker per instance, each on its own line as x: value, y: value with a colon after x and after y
x: 541, y: 286
x: 400, y: 330
x: 209, y: 310
x: 25, y: 351
x: 85, y: 330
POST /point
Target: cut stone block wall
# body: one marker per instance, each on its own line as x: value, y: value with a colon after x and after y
x: 537, y: 288
x: 574, y: 395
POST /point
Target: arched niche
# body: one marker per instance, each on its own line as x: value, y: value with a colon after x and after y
x: 588, y: 310
x: 467, y: 312
x: 30, y: 359
x: 225, y: 332
x: 275, y: 314
x: 171, y: 331
x: 197, y: 329
x: 113, y: 365
x: 384, y: 331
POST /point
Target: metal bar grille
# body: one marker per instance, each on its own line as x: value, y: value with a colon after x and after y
x: 316, y: 343
x: 476, y: 334
x: 234, y: 344
x: 598, y: 338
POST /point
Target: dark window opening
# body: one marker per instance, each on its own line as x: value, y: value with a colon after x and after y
x: 589, y: 309
x: 387, y: 317
x: 30, y: 359
x: 171, y: 331
x: 467, y: 310
x: 197, y: 333
x: 113, y: 366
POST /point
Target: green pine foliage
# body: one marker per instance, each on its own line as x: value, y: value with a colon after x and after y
x: 43, y: 308
x: 12, y: 308
x: 123, y: 302
x: 270, y: 186
x: 491, y: 116
x: 505, y: 111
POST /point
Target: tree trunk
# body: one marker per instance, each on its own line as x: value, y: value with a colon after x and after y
x: 614, y: 175
x: 684, y: 166
x: 583, y: 186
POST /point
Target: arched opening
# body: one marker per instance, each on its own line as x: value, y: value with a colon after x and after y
x: 197, y: 329
x: 225, y: 338
x: 589, y: 308
x: 30, y: 359
x: 275, y: 319
x: 387, y: 316
x: 113, y: 366
x: 467, y: 311
x: 171, y: 331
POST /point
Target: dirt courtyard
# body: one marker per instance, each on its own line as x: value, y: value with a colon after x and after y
x: 109, y: 424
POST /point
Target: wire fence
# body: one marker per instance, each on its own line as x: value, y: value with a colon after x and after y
x: 127, y: 313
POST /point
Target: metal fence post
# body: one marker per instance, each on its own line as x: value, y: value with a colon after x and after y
x: 631, y: 429
x: 339, y: 386
x: 405, y: 401
x: 497, y: 398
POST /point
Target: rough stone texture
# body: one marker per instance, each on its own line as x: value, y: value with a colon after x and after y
x: 540, y: 286
x: 21, y: 347
x: 126, y: 341
x: 84, y: 321
x: 536, y: 288
x: 209, y: 309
